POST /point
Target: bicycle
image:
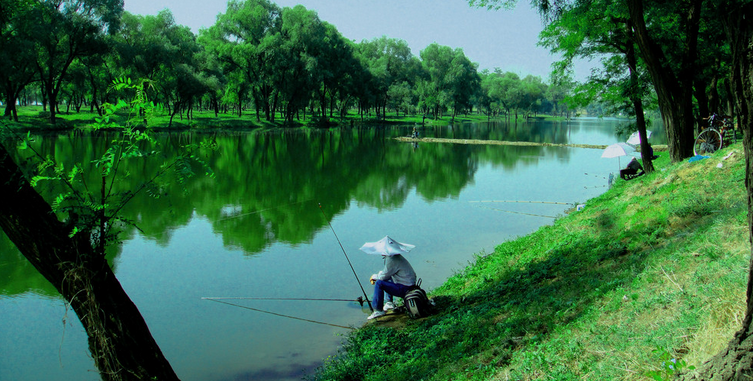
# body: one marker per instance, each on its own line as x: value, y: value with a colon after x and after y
x: 711, y: 139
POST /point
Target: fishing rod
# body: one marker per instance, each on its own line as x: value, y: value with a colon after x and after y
x: 276, y: 314
x: 346, y: 257
x: 360, y: 299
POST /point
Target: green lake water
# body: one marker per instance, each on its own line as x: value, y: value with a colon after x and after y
x: 256, y: 230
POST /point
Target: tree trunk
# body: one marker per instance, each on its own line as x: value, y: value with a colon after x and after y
x: 52, y: 98
x: 274, y: 107
x: 12, y: 92
x: 331, y: 106
x: 674, y: 92
x: 714, y: 96
x: 10, y: 110
x: 729, y: 101
x: 636, y: 98
x: 119, y: 340
x: 703, y: 100
x: 736, y: 361
x: 240, y: 104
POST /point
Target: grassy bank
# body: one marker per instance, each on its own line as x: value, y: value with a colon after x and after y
x: 653, y: 270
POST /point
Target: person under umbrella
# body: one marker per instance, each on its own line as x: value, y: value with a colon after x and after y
x: 617, y: 150
x: 397, y: 277
x: 633, y: 170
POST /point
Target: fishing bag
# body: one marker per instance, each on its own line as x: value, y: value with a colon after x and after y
x: 417, y: 304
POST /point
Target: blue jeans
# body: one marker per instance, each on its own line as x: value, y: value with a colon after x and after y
x: 389, y: 287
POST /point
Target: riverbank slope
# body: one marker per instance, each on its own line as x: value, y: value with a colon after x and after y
x: 647, y: 278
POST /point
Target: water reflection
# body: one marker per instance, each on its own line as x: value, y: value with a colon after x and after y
x: 256, y: 229
x: 263, y: 181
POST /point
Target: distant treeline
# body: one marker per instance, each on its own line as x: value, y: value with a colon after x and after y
x: 257, y: 58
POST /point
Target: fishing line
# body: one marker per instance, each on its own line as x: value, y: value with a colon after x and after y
x: 526, y: 214
x: 597, y: 176
x: 527, y: 202
x: 276, y: 314
x: 346, y: 257
x: 359, y: 299
x: 261, y: 210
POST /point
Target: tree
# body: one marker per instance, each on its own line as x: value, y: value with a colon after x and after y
x: 533, y: 90
x: 464, y: 82
x: 599, y: 28
x: 436, y: 60
x: 70, y: 253
x: 713, y: 71
x: 671, y: 65
x: 155, y: 48
x: 400, y: 97
x: 736, y: 361
x: 452, y: 79
x: 300, y: 58
x: 73, y: 29
x: 559, y: 93
x: 389, y: 61
x: 99, y: 77
x: 16, y: 54
x: 334, y: 63
x: 673, y: 85
x: 214, y: 79
x: 243, y: 41
x: 510, y: 90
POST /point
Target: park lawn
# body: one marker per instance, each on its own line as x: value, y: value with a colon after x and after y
x: 35, y: 118
x: 650, y: 274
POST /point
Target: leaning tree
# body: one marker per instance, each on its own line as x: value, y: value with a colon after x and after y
x: 66, y: 240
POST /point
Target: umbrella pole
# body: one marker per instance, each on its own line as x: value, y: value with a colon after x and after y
x: 346, y: 257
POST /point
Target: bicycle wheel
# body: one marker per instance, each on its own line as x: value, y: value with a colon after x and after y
x: 708, y: 142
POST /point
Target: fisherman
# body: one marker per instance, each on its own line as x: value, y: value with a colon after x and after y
x: 396, y: 279
x: 632, y: 170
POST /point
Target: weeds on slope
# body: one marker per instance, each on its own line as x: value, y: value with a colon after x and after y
x: 652, y: 271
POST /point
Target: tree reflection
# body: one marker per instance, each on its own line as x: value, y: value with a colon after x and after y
x: 268, y: 185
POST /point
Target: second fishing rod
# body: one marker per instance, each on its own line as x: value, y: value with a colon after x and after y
x: 366, y: 297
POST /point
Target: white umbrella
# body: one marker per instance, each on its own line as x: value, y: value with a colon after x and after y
x: 386, y: 246
x: 635, y: 138
x: 617, y: 150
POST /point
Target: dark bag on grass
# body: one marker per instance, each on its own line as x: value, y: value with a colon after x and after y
x: 417, y: 303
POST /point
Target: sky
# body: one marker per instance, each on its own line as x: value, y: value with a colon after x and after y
x: 504, y: 39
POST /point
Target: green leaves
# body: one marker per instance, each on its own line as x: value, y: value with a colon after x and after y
x: 493, y: 4
x: 90, y: 195
x: 669, y: 367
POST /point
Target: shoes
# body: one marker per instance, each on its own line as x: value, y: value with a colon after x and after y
x: 376, y: 314
x: 388, y: 306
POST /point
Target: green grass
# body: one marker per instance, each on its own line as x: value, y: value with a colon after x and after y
x: 34, y: 118
x: 654, y: 269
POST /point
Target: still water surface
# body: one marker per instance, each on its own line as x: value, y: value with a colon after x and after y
x: 256, y: 230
